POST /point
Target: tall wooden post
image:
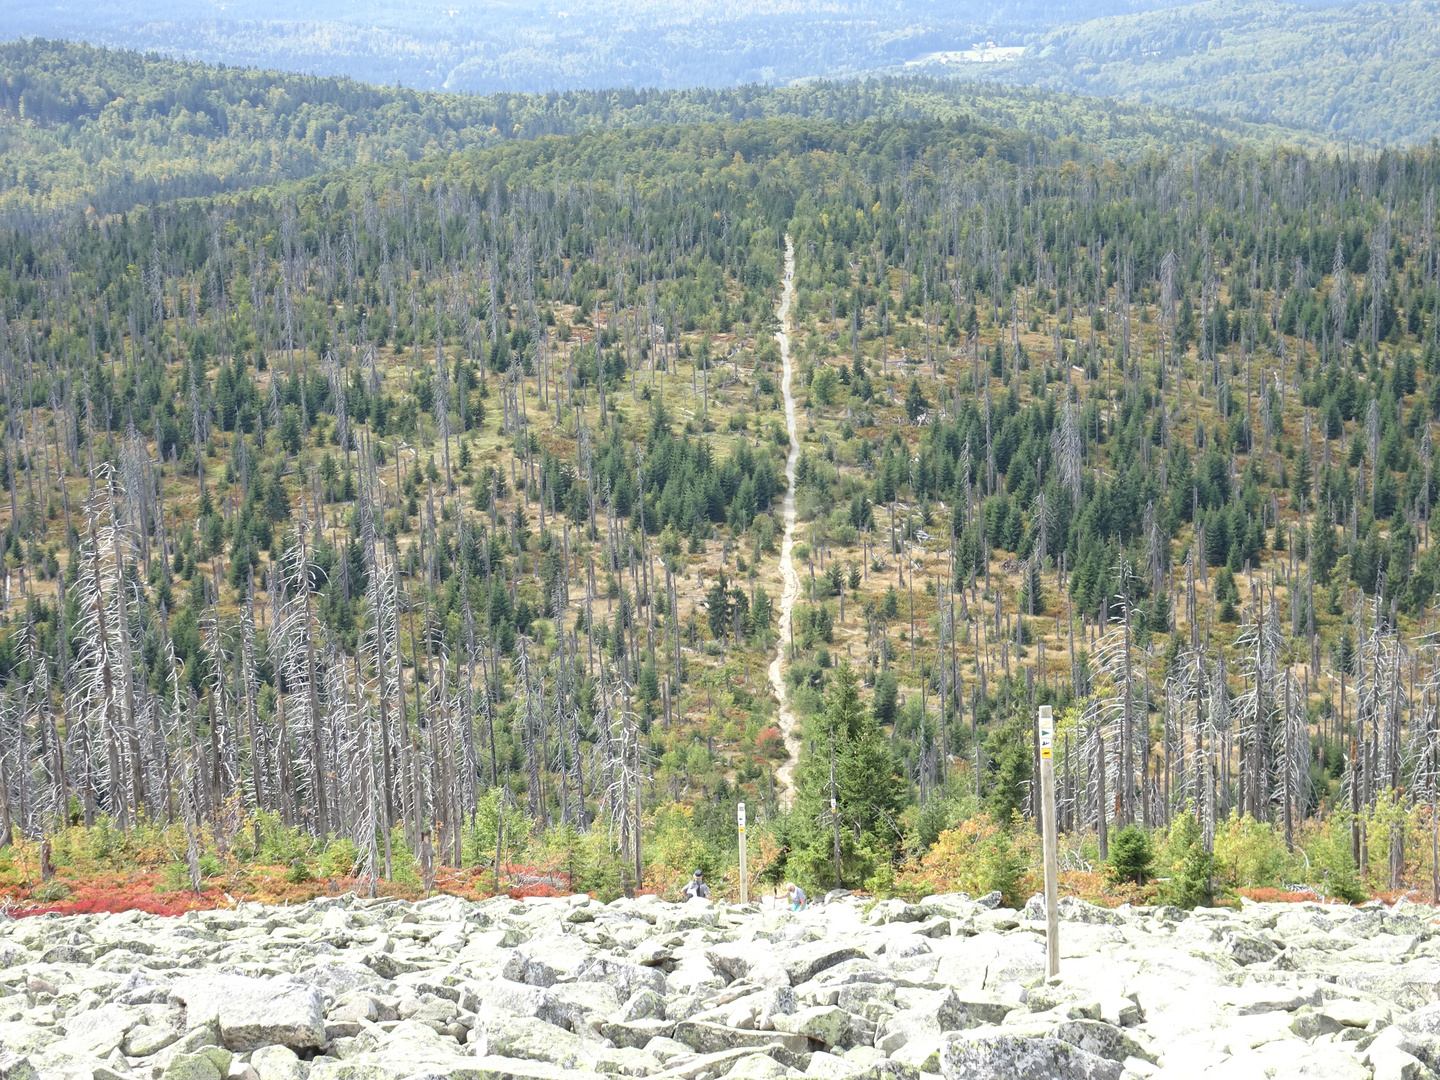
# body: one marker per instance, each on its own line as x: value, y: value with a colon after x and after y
x: 1047, y: 817
x: 744, y: 875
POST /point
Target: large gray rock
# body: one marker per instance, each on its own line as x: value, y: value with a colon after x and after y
x: 337, y: 979
x: 531, y: 970
x: 583, y: 1005
x: 278, y: 1063
x: 192, y: 1067
x: 743, y: 960
x: 690, y: 1067
x: 639, y: 1034
x: 756, y: 1067
x: 531, y: 1039
x: 990, y: 961
x: 505, y: 996
x: 66, y: 954
x: 358, y: 1069
x: 204, y: 1063
x: 804, y: 962
x: 1423, y: 1021
x: 99, y: 1031
x: 824, y: 1066
x: 893, y: 911
x: 696, y: 975
x: 436, y: 1012
x: 144, y: 1040
x: 493, y: 1067
x: 946, y: 1011
x: 16, y: 1067
x: 709, y: 1038
x: 1101, y: 1039
x: 999, y: 1056
x: 956, y: 1013
x: 626, y: 978
x: 1410, y: 985
x: 255, y: 1012
x: 496, y: 1067
x: 825, y: 1023
x: 1249, y: 948
x: 642, y: 1005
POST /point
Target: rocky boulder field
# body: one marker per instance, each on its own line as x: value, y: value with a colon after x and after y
x: 571, y: 989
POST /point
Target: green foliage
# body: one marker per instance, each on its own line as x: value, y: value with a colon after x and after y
x: 1131, y: 855
x: 280, y: 843
x: 491, y: 816
x: 52, y: 892
x: 676, y: 848
x: 339, y: 858
x: 103, y: 839
x: 1330, y: 864
x: 1011, y: 767
x: 933, y: 819
x: 866, y: 788
x: 1191, y: 866
x: 954, y: 803
x: 404, y: 866
x: 1248, y: 854
x: 915, y: 402
x: 1003, y: 865
x: 587, y: 860
x: 882, y: 700
x: 882, y: 882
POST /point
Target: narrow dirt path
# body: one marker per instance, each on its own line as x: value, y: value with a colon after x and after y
x: 790, y: 591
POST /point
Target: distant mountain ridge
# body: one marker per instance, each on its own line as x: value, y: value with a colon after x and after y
x: 83, y: 126
x: 464, y: 45
x: 1366, y: 71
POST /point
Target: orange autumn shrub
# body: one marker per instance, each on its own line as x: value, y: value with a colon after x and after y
x: 1097, y: 887
x: 978, y: 856
x: 1268, y: 895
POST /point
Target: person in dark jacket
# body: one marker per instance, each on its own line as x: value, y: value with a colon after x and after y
x: 696, y: 887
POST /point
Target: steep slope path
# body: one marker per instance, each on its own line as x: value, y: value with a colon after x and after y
x: 790, y: 591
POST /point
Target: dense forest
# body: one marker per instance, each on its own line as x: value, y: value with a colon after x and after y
x: 1362, y: 71
x: 93, y: 128
x: 434, y: 510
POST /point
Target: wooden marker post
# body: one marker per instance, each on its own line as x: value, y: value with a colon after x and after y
x: 744, y: 876
x: 1047, y: 826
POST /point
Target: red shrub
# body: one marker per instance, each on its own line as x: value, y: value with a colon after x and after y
x: 770, y: 743
x: 538, y: 889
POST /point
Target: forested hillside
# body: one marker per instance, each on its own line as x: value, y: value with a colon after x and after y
x: 1363, y: 71
x: 433, y: 510
x: 83, y: 127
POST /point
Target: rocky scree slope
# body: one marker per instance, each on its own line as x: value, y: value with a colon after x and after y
x: 349, y: 989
